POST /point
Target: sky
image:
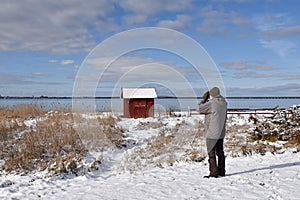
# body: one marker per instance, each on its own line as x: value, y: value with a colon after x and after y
x: 253, y: 43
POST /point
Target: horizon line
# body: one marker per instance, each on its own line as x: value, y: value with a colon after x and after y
x: 159, y: 97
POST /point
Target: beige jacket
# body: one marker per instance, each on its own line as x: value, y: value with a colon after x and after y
x: 215, y: 117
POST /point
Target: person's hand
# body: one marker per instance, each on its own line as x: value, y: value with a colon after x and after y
x: 205, y: 97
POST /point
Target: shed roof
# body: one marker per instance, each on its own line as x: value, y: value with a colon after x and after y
x: 138, y: 93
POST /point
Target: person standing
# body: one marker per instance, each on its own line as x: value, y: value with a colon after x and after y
x: 215, y: 111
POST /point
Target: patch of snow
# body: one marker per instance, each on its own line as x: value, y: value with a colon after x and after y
x: 30, y: 122
x: 253, y: 177
x: 2, y: 163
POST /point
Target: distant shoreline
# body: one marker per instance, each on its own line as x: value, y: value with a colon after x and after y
x: 160, y: 97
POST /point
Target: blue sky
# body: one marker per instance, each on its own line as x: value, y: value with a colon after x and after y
x: 254, y: 43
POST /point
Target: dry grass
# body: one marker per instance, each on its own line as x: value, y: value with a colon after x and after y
x: 283, y: 126
x: 147, y: 125
x: 22, y: 111
x: 51, y: 143
x: 51, y: 140
x: 112, y: 132
x: 266, y: 134
x: 184, y: 143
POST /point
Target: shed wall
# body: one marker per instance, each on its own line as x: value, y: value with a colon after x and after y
x: 138, y: 108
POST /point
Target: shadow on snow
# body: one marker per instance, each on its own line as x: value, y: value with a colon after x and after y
x: 266, y: 168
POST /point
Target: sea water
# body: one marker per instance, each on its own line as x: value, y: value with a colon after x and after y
x: 180, y: 104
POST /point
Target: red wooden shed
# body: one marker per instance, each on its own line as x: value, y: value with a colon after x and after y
x: 138, y: 102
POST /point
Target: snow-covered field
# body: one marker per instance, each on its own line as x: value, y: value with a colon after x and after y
x: 140, y: 171
x: 253, y: 177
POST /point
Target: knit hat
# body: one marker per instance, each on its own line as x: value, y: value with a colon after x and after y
x: 214, y: 92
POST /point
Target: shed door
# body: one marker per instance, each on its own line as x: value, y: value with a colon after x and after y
x: 141, y: 108
x: 138, y: 108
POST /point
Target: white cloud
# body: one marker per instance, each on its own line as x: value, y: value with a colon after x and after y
x: 260, y: 69
x: 40, y: 74
x: 72, y: 26
x: 229, y: 1
x: 218, y: 22
x: 52, y: 26
x: 137, y: 69
x: 281, y: 47
x: 135, y: 19
x: 275, y: 30
x: 283, y: 32
x: 140, y: 11
x: 52, y: 61
x: 67, y: 62
x: 246, y: 65
x: 277, y: 25
x: 179, y: 23
x: 289, y: 89
x: 148, y: 7
x: 251, y: 74
x: 21, y: 79
x: 272, y: 21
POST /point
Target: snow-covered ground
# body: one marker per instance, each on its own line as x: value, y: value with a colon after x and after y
x: 269, y: 176
x: 254, y: 177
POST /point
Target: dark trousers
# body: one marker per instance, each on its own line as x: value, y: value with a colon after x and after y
x: 215, y: 148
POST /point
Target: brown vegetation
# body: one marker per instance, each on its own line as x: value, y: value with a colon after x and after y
x: 22, y: 111
x: 181, y: 143
x: 52, y: 139
x: 51, y: 142
x: 265, y: 134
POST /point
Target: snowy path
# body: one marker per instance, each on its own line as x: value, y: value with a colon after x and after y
x: 253, y: 177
